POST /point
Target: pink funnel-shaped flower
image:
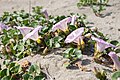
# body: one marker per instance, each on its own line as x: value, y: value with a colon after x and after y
x: 101, y: 45
x: 62, y: 25
x: 25, y: 30
x: 3, y: 26
x: 75, y: 36
x: 73, y: 20
x: 115, y: 59
x: 33, y: 35
x: 44, y: 11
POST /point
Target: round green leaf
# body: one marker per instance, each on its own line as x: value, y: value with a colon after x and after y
x: 116, y: 75
x: 6, y: 78
x: 39, y: 78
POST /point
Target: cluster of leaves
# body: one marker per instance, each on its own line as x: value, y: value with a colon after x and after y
x: 12, y: 45
x: 97, y: 5
x: 15, y: 71
x: 72, y: 54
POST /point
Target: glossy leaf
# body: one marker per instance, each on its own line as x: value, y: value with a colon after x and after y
x: 16, y: 69
x: 4, y: 72
x: 6, y: 78
x: 39, y: 78
x: 116, y: 75
x: 27, y: 76
x: 31, y: 69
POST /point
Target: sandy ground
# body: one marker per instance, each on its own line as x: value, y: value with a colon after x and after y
x: 108, y: 24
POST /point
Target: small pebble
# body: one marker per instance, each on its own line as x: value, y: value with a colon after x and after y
x: 118, y: 29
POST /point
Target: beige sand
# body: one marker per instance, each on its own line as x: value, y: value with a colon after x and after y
x: 109, y: 24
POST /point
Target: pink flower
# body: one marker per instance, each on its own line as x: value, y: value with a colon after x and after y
x: 33, y: 35
x: 44, y: 11
x: 73, y: 20
x: 75, y: 36
x: 115, y: 59
x: 62, y: 25
x: 101, y: 44
x: 3, y: 26
x: 24, y: 30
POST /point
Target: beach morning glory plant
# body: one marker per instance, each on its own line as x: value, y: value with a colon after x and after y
x: 62, y: 25
x: 76, y: 37
x: 100, y: 45
x: 33, y: 35
x: 115, y: 59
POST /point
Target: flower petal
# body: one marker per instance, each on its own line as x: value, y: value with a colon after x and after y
x: 25, y: 30
x: 62, y: 25
x: 73, y: 20
x: 78, y: 40
x: 33, y: 35
x: 44, y: 11
x: 101, y: 44
x: 115, y: 59
x: 75, y: 35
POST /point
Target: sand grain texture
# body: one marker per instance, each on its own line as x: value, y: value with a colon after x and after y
x: 108, y: 24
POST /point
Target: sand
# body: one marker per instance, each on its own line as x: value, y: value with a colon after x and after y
x: 108, y: 24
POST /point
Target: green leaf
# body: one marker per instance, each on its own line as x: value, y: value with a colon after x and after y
x: 16, y: 69
x: 12, y: 64
x: 26, y: 22
x: 21, y: 47
x: 72, y: 27
x: 68, y: 50
x: 34, y: 23
x: 115, y: 42
x: 37, y: 68
x: 6, y: 78
x: 45, y: 29
x: 78, y: 53
x: 4, y: 72
x: 66, y: 55
x: 39, y: 78
x: 115, y: 75
x: 117, y: 50
x: 57, y: 39
x: 27, y: 76
x: 6, y: 62
x: 31, y: 69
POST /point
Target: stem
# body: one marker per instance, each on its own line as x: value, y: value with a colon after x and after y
x: 79, y: 47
